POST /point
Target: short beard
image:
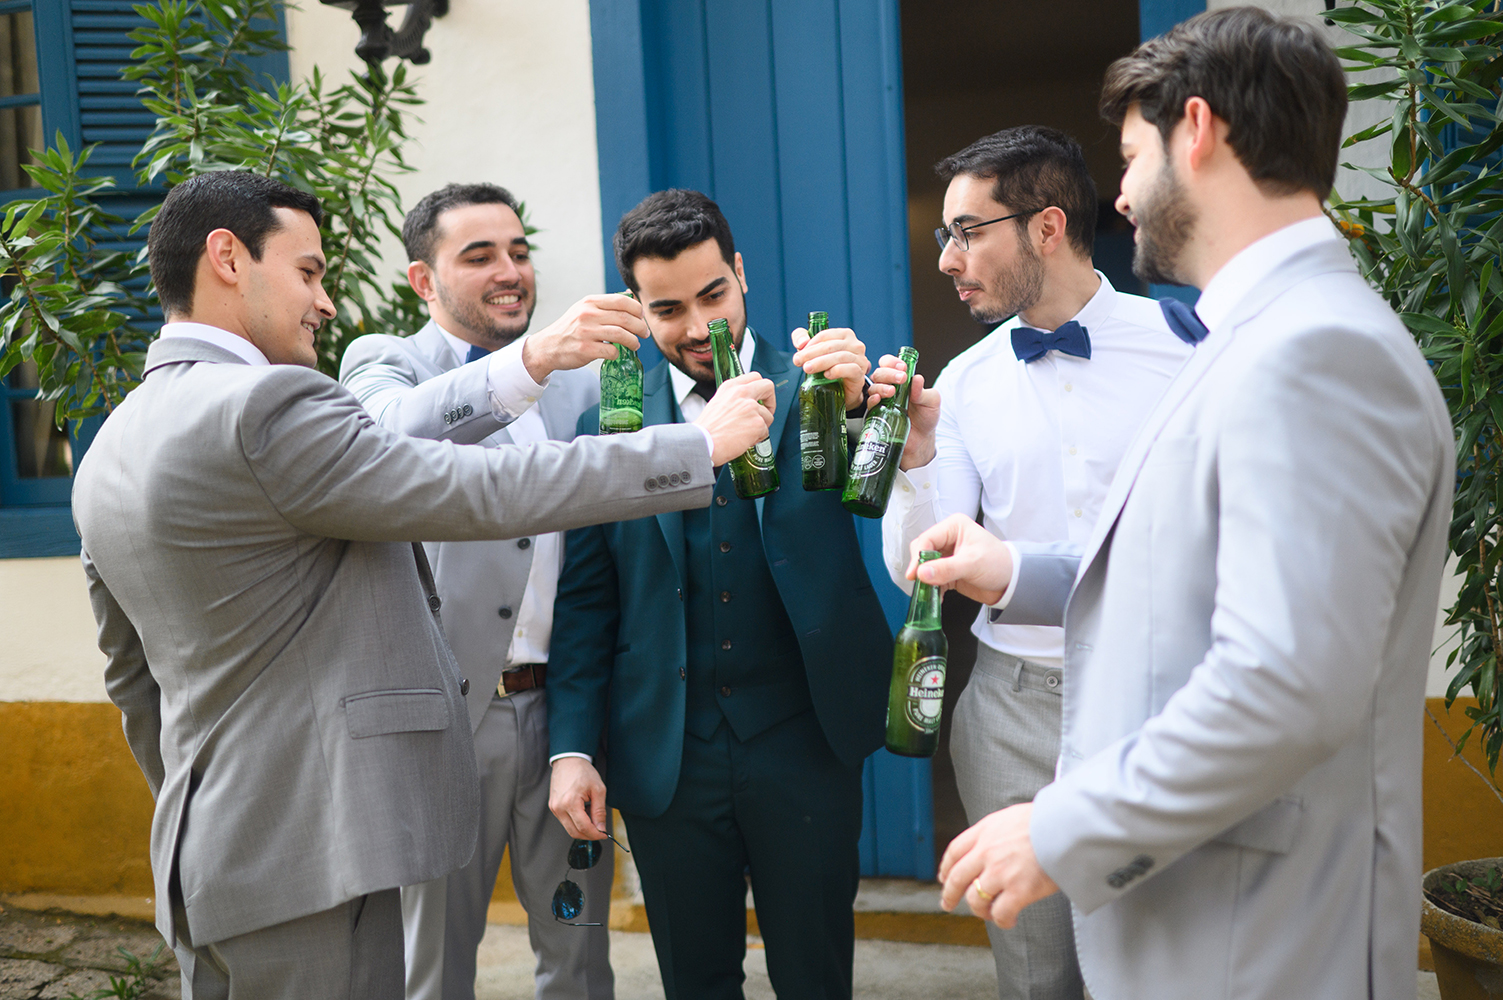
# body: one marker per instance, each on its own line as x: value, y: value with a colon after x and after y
x: 1165, y: 223
x: 473, y: 317
x: 1019, y: 290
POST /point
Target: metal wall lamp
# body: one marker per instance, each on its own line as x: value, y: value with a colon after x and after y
x: 378, y: 41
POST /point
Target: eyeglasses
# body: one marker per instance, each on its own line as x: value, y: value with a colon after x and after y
x: 962, y: 234
x: 568, y: 898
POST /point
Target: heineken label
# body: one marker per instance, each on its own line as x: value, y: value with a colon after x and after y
x: 871, y: 455
x: 926, y: 693
x: 760, y: 454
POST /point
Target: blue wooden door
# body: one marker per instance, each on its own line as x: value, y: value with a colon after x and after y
x: 789, y: 114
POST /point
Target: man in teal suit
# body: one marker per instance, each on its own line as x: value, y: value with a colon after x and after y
x: 735, y: 659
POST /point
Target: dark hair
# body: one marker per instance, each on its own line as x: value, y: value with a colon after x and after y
x: 666, y: 224
x: 1034, y: 167
x: 420, y: 228
x: 1273, y: 80
x: 241, y: 202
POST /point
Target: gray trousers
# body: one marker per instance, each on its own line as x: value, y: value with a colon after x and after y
x: 350, y: 952
x: 444, y: 919
x: 1004, y: 741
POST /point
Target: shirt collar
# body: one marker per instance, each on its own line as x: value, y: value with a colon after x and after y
x: 683, y: 384
x: 234, y: 343
x: 461, y: 348
x: 1257, y: 261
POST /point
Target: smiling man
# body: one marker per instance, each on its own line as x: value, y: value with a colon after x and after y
x: 472, y: 377
x: 735, y: 658
x: 1034, y: 420
x: 272, y: 637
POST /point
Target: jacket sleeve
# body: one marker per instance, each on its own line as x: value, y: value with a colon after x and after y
x: 586, y: 624
x: 452, y: 406
x: 128, y: 680
x: 330, y: 471
x: 1046, y: 574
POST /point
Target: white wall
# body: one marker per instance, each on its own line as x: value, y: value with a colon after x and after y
x: 510, y: 100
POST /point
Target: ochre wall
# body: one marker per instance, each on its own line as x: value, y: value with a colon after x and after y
x: 75, y: 815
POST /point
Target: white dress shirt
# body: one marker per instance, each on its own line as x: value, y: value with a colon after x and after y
x: 1034, y: 446
x: 234, y: 343
x: 513, y: 392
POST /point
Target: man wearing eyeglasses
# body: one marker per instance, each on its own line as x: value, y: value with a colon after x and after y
x: 1035, y: 419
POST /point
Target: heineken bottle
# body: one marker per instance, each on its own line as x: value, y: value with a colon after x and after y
x: 880, y: 448
x: 821, y: 414
x: 917, y: 695
x: 621, y: 391
x: 755, y: 473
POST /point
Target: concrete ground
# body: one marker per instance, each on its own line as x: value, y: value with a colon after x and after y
x: 55, y: 955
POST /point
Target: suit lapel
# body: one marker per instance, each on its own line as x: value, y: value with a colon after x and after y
x: 658, y: 408
x: 1322, y: 258
x: 771, y: 364
x: 431, y: 344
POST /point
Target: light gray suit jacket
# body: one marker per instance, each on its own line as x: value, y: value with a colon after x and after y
x: 409, y: 385
x: 273, y: 641
x: 1237, y: 812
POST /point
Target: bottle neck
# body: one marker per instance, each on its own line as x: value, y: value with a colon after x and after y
x: 727, y: 364
x: 924, y: 606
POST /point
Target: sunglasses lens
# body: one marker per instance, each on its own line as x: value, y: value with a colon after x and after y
x: 583, y: 854
x: 568, y: 900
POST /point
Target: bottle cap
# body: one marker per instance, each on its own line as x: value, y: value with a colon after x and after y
x: 926, y: 555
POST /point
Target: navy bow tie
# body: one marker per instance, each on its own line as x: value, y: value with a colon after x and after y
x: 1071, y: 338
x: 1183, y: 321
x: 475, y: 353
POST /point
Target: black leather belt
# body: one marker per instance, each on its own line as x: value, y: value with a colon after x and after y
x: 522, y: 678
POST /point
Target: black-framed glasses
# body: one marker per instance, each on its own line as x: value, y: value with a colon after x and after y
x: 962, y: 234
x: 568, y: 898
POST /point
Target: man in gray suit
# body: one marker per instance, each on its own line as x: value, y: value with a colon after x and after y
x: 471, y: 262
x: 272, y: 640
x: 1237, y: 807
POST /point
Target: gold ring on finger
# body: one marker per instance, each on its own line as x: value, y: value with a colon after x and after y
x: 986, y: 897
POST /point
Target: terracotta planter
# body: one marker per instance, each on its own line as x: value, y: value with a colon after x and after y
x: 1468, y: 955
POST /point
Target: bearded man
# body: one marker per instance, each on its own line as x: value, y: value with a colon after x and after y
x: 1035, y: 419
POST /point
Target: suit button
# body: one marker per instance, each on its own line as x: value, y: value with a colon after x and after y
x: 721, y: 501
x: 649, y: 485
x: 504, y: 612
x: 725, y: 546
x: 683, y: 477
x: 662, y: 480
x: 524, y: 543
x: 464, y: 686
x: 725, y: 692
x: 433, y: 602
x: 468, y: 409
x: 681, y: 674
x: 673, y: 479
x: 725, y: 644
x: 725, y: 597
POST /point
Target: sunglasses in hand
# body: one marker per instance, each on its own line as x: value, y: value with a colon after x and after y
x: 568, y: 898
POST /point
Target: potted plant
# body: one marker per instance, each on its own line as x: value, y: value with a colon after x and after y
x: 1432, y: 244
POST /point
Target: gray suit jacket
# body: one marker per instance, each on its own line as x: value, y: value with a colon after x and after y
x: 1237, y: 812
x: 274, y: 642
x: 409, y: 384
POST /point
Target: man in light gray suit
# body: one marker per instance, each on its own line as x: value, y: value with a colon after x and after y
x: 272, y: 640
x: 469, y: 376
x: 1237, y: 809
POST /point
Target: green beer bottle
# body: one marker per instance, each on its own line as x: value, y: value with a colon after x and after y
x: 917, y: 695
x: 880, y: 448
x: 754, y: 473
x: 821, y: 414
x: 621, y: 391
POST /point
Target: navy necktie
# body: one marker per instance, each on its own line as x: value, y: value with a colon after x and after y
x: 1183, y: 321
x: 475, y: 353
x: 1071, y: 338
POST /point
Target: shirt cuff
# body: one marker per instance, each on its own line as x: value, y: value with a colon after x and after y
x: 923, y: 480
x: 1012, y: 584
x: 561, y: 756
x: 512, y: 390
x: 709, y: 442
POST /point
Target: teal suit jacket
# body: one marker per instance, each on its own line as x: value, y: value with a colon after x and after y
x: 617, y: 659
